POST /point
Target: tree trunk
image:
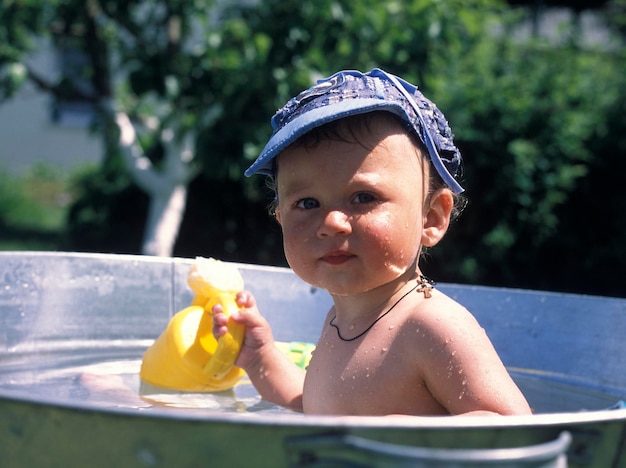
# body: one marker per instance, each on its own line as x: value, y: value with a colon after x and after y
x: 167, y: 187
x: 165, y: 215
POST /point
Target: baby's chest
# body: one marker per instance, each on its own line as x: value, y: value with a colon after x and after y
x: 364, y: 380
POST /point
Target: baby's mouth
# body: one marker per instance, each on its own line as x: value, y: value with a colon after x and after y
x: 337, y: 258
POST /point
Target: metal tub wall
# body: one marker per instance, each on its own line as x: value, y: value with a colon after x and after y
x: 91, y: 303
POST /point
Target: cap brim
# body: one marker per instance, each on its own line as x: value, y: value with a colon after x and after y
x: 315, y: 118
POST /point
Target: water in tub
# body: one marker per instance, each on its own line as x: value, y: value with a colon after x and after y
x: 82, y: 376
x: 107, y: 375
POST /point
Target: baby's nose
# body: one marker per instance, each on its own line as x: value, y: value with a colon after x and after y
x: 336, y: 222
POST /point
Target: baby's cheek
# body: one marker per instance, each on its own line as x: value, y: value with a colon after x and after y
x: 398, y: 247
x: 296, y: 246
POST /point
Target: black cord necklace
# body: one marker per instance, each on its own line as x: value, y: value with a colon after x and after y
x: 424, y: 285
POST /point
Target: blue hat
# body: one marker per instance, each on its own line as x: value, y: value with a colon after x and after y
x: 351, y: 92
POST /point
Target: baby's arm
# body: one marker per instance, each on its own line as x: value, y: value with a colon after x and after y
x: 462, y: 369
x: 274, y: 376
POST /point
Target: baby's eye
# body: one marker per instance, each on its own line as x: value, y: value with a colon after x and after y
x: 307, y: 203
x: 364, y: 197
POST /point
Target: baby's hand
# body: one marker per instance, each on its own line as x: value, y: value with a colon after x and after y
x: 258, y: 337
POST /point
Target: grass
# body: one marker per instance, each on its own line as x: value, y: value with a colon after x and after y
x: 33, y: 208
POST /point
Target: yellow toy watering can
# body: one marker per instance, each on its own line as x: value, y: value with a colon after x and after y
x: 186, y: 356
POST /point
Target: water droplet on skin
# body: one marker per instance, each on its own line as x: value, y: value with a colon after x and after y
x: 391, y: 327
x: 383, y: 350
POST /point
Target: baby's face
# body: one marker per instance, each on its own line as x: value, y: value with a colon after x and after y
x: 352, y: 214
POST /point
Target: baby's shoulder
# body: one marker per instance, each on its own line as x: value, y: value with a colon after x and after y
x: 441, y: 312
x: 441, y: 329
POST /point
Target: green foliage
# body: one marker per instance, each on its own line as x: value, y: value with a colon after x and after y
x: 32, y: 208
x: 615, y: 16
x: 35, y: 199
x: 109, y: 212
x: 529, y: 116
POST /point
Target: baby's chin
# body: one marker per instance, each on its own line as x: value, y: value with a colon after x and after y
x: 339, y: 285
x: 397, y: 270
x: 334, y: 290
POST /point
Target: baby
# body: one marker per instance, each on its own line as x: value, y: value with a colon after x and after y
x: 365, y: 175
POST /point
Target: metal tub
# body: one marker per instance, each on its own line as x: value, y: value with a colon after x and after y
x: 70, y: 323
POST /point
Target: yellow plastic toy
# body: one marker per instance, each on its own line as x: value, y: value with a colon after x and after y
x: 186, y: 356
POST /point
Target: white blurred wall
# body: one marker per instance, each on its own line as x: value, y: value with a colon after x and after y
x: 29, y: 135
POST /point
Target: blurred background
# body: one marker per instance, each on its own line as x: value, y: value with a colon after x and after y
x: 125, y: 126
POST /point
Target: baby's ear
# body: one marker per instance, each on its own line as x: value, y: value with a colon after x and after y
x: 437, y: 217
x: 277, y: 215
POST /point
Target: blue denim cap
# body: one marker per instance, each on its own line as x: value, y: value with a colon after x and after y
x: 351, y: 92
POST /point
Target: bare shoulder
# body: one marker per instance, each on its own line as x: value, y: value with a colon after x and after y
x: 441, y: 314
x: 458, y: 361
x: 439, y: 330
